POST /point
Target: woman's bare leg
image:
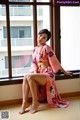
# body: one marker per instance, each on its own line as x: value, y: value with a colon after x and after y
x: 33, y: 89
x: 25, y: 93
x: 33, y: 79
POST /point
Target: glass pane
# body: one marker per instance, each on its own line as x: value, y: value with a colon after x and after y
x: 21, y: 32
x: 3, y: 43
x: 43, y: 18
x: 70, y: 37
x: 20, y: 0
x: 43, y: 0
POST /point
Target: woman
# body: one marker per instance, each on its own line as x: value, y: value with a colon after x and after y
x: 43, y: 68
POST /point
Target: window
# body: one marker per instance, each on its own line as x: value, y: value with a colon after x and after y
x: 42, y: 0
x: 3, y: 42
x: 67, y: 38
x: 18, y: 33
x: 20, y: 21
x: 70, y: 37
x: 20, y: 64
x: 41, y: 18
x: 21, y: 27
x: 19, y: 0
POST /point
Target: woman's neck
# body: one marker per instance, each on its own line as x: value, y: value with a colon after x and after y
x: 40, y: 45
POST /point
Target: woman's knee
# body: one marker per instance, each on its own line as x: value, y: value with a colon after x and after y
x: 29, y: 77
x: 25, y: 78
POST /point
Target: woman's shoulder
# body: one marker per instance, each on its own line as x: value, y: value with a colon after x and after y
x: 47, y: 47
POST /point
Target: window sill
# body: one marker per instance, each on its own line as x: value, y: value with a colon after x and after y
x: 11, y: 81
x: 62, y: 76
x: 20, y: 79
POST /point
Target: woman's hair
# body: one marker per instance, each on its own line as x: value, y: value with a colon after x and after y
x: 45, y: 31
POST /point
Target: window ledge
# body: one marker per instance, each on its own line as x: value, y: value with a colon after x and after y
x: 19, y: 80
x: 11, y: 81
x: 62, y: 76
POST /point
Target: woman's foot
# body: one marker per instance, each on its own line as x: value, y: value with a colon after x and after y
x: 34, y: 108
x: 24, y: 106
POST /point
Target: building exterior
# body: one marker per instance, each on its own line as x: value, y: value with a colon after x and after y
x: 21, y: 34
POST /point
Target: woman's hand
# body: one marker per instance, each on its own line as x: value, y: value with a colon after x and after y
x: 68, y: 73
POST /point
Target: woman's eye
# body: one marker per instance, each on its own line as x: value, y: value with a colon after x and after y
x: 40, y: 35
x: 43, y: 37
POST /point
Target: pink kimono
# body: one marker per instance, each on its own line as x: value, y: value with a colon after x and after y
x: 46, y: 62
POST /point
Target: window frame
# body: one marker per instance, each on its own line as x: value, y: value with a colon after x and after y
x: 57, y: 42
x: 55, y: 38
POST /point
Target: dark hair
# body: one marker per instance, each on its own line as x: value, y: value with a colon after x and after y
x: 47, y: 32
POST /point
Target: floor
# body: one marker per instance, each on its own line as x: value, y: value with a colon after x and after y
x: 45, y: 112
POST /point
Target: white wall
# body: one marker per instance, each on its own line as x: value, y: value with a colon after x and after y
x: 67, y: 86
x: 10, y: 92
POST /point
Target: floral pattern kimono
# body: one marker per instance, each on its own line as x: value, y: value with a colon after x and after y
x: 46, y: 62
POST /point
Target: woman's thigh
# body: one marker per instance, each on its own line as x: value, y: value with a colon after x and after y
x: 39, y: 78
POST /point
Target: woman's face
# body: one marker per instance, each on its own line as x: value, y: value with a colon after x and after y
x: 42, y: 38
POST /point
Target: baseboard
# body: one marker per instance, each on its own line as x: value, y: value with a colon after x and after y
x: 12, y: 102
x: 71, y: 94
x: 19, y: 101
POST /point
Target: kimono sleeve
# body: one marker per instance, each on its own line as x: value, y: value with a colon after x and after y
x: 33, y: 68
x: 53, y: 61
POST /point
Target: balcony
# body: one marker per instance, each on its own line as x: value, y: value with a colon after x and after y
x: 20, y: 11
x: 17, y: 42
x: 15, y: 71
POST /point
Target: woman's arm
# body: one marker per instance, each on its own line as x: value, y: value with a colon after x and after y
x: 54, y: 63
